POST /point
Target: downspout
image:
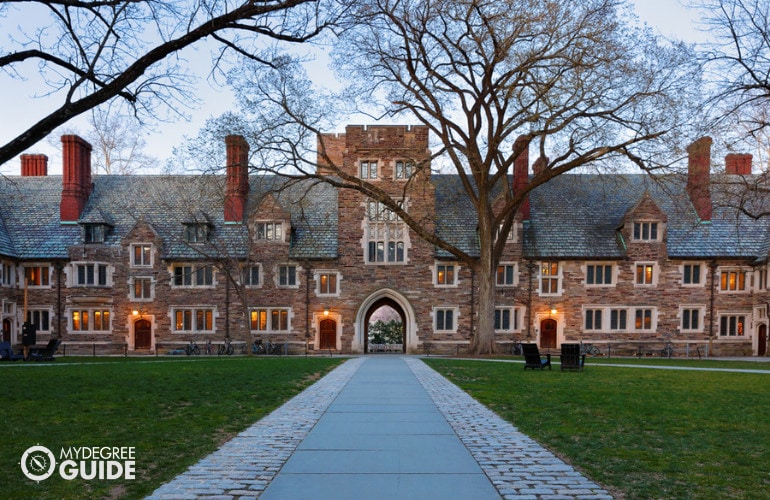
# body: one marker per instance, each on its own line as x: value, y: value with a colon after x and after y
x: 531, y: 268
x: 227, y: 309
x: 473, y: 297
x: 58, y: 266
x: 713, y: 267
x: 307, y: 305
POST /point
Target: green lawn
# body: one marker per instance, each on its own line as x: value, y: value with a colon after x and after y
x: 172, y: 411
x: 643, y: 433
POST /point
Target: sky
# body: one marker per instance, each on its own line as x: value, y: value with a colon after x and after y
x: 22, y: 104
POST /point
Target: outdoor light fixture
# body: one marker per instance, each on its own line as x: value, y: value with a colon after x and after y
x: 553, y: 309
x: 326, y: 311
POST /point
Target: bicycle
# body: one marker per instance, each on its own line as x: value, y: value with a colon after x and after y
x: 668, y: 350
x: 517, y: 349
x: 589, y: 349
x: 209, y: 349
x: 225, y: 348
x: 192, y: 348
x: 258, y: 348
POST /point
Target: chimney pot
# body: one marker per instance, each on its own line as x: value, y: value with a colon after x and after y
x: 34, y: 165
x: 738, y: 164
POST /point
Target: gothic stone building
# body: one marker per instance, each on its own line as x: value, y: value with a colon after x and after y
x: 144, y: 264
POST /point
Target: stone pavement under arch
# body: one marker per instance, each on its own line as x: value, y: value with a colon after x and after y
x: 381, y: 427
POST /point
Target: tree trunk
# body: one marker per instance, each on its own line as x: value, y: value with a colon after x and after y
x: 483, y: 339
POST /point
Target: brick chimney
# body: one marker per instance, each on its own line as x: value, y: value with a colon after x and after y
x: 699, y: 176
x: 76, y: 177
x: 34, y: 165
x: 738, y: 164
x: 334, y: 146
x: 521, y: 172
x: 237, y: 190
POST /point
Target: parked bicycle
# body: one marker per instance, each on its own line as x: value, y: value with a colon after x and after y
x: 192, y: 348
x: 226, y: 348
x: 589, y: 349
x: 257, y: 347
x: 209, y: 349
x: 668, y: 350
x: 517, y: 349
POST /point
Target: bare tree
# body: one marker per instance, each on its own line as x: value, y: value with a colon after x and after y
x: 90, y: 52
x: 577, y: 81
x: 738, y: 61
x: 119, y: 144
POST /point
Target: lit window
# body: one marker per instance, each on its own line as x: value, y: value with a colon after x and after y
x: 141, y: 255
x: 733, y: 281
x: 445, y: 274
x: 643, y: 320
x: 194, y: 320
x: 645, y: 274
x: 37, y: 275
x: 90, y: 320
x: 549, y: 278
x: 270, y: 320
x: 327, y: 283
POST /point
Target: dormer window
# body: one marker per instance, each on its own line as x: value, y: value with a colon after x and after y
x: 196, y: 233
x: 646, y: 231
x: 94, y: 233
x: 270, y: 231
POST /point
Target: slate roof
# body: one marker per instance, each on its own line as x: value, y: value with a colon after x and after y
x: 30, y: 229
x: 573, y: 216
x: 577, y: 216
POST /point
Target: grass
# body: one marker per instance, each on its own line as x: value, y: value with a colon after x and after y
x: 172, y: 411
x: 642, y: 433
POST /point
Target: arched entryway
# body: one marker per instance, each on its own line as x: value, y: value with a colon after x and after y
x: 142, y: 334
x: 327, y: 334
x: 762, y: 340
x: 394, y: 300
x: 7, y: 333
x: 380, y: 304
x: 548, y: 333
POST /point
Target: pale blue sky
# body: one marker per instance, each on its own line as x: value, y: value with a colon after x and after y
x: 21, y: 108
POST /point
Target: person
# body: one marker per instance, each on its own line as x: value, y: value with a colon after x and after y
x: 28, y: 338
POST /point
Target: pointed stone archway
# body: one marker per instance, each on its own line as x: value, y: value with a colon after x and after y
x: 390, y: 298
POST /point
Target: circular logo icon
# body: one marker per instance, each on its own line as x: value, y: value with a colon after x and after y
x: 38, y: 463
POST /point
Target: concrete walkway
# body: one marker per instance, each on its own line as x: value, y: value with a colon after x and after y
x: 381, y: 427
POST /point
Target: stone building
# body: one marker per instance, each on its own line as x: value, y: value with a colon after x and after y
x: 144, y: 264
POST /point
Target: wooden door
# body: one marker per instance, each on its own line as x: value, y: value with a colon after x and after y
x: 328, y: 334
x: 142, y: 334
x: 548, y: 334
x: 762, y: 347
x: 6, y: 330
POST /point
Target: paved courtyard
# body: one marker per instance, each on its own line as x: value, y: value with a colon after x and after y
x: 381, y: 427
